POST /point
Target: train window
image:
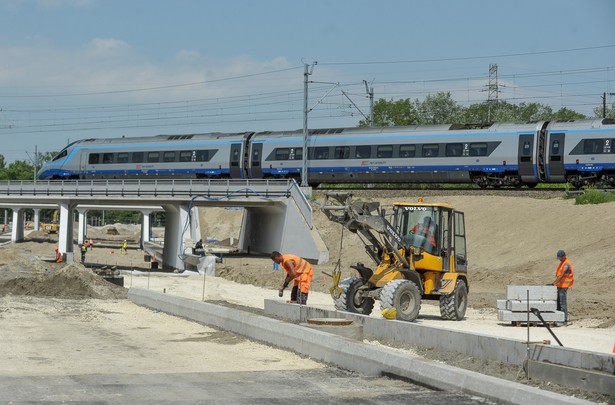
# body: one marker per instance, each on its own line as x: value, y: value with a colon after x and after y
x: 122, y: 157
x: 384, y: 151
x: 341, y: 152
x: 94, y: 158
x: 202, y: 156
x: 282, y: 153
x: 454, y: 149
x: 593, y: 146
x: 153, y: 156
x: 431, y: 150
x: 362, y: 151
x: 555, y: 148
x: 62, y: 154
x: 107, y: 157
x: 406, y: 151
x: 478, y: 149
x: 298, y: 153
x: 527, y: 149
x: 168, y: 156
x: 137, y: 157
x: 186, y: 155
x: 321, y: 152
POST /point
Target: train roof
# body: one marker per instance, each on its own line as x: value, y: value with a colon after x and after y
x: 163, y: 138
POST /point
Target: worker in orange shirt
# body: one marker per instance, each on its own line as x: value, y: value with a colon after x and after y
x: 58, y: 255
x: 297, y: 270
x: 427, y: 230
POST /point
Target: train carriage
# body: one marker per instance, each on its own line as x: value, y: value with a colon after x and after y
x: 164, y: 156
x: 580, y: 152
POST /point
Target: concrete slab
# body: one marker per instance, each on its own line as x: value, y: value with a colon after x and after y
x: 510, y: 316
x: 536, y: 292
x: 522, y: 306
x: 567, y: 376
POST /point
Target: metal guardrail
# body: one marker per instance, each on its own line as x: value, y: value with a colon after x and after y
x: 176, y: 189
x: 183, y: 188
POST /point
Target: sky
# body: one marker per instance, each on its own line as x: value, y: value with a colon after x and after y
x: 75, y: 69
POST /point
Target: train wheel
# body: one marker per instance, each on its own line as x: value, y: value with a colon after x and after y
x: 404, y: 296
x: 351, y: 299
x: 453, y: 307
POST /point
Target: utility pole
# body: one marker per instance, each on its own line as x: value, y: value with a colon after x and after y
x: 35, y: 161
x: 307, y: 71
x: 604, y: 103
x: 370, y: 93
x: 492, y: 98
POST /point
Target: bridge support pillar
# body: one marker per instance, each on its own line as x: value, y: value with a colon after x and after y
x: 82, y: 224
x: 146, y: 227
x: 17, y: 233
x: 177, y: 216
x: 65, y: 233
x: 37, y: 219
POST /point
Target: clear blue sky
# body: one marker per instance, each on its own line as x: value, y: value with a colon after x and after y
x: 73, y: 69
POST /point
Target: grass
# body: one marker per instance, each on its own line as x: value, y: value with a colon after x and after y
x: 594, y: 196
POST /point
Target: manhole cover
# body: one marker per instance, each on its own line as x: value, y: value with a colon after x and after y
x: 329, y: 321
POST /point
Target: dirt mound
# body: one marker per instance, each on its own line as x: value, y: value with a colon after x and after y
x: 72, y: 281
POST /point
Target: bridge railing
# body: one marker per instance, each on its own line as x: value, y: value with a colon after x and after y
x: 180, y: 188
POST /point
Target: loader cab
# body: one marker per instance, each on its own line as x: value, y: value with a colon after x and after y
x: 435, y: 230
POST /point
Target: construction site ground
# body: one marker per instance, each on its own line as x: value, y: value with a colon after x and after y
x: 511, y: 240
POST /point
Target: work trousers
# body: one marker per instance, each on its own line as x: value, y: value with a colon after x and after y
x: 562, y: 302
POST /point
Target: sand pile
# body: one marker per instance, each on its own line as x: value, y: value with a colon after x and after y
x: 71, y: 281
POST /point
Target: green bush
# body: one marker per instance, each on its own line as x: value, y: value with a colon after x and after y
x: 594, y: 197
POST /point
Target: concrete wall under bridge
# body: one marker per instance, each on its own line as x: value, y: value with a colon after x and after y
x: 277, y: 215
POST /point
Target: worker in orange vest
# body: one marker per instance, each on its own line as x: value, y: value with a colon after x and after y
x: 58, y: 255
x: 564, y: 279
x: 297, y: 270
x: 427, y: 230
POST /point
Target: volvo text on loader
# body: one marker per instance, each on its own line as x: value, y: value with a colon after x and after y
x: 420, y: 254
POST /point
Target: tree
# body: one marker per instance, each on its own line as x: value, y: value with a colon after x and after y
x: 610, y: 111
x: 393, y: 113
x: 19, y: 170
x: 439, y: 109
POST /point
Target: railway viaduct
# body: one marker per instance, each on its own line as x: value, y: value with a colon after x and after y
x: 277, y: 214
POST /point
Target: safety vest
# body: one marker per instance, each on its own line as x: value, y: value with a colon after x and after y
x: 303, y: 269
x: 301, y: 265
x: 567, y: 279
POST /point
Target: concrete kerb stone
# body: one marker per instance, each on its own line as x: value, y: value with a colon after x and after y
x: 506, y: 350
x: 346, y: 353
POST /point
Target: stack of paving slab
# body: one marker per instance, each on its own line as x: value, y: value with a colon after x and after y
x: 542, y: 297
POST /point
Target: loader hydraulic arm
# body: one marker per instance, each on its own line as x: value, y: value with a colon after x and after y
x: 366, y: 219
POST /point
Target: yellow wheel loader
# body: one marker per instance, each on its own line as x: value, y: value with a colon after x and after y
x: 419, y: 254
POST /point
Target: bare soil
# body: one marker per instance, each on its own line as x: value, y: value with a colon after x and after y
x: 511, y: 241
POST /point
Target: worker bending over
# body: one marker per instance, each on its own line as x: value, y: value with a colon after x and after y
x: 297, y: 269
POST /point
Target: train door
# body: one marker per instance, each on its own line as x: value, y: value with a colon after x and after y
x: 235, y: 161
x: 555, y: 163
x: 526, y: 158
x: 83, y: 162
x: 256, y: 171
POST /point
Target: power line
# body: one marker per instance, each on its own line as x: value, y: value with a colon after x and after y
x: 509, y: 55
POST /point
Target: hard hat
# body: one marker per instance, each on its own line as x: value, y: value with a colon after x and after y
x: 560, y: 254
x: 55, y: 248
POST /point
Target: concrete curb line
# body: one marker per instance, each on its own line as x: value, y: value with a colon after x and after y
x: 346, y: 353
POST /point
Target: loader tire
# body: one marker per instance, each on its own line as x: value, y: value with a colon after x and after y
x: 453, y: 306
x: 350, y: 301
x: 404, y: 296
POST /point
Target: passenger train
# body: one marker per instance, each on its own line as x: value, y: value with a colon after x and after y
x: 500, y: 154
